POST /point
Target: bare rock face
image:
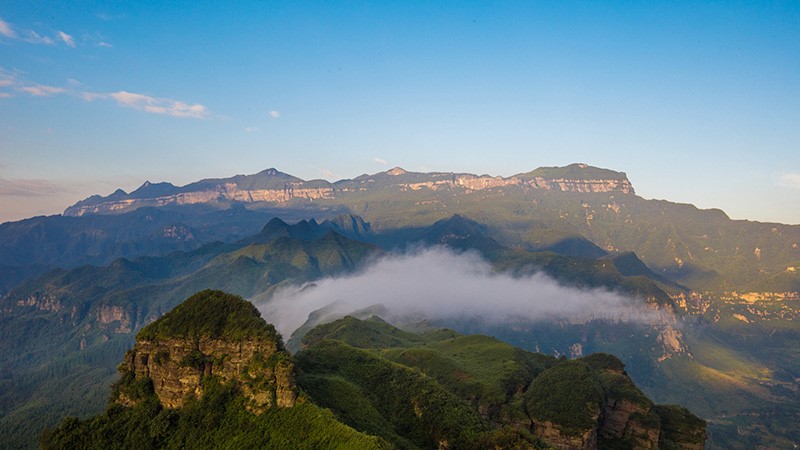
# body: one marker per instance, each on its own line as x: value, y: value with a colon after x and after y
x: 552, y: 434
x: 177, y: 367
x: 617, y: 420
x: 233, y: 344
x: 43, y: 302
x: 623, y: 419
x: 605, y: 410
x: 108, y: 314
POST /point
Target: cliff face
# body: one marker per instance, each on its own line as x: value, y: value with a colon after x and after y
x: 552, y: 434
x: 271, y: 186
x: 614, y: 415
x: 617, y: 420
x: 211, y: 334
x: 227, y: 192
x: 177, y: 366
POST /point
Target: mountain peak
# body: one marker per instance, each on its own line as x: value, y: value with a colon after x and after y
x: 210, y: 314
x: 396, y: 171
x: 210, y: 333
x: 271, y: 172
x: 581, y: 177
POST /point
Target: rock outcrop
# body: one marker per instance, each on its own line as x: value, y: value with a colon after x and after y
x: 554, y: 436
x: 212, y: 334
x: 606, y: 410
x: 177, y: 367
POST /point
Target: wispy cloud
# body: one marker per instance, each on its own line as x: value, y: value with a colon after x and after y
x: 380, y: 161
x: 32, y: 37
x: 274, y: 114
x: 106, y: 17
x: 35, y: 38
x: 168, y: 106
x: 5, y: 95
x: 146, y: 103
x: 791, y: 180
x: 251, y: 129
x: 327, y: 173
x: 104, y: 44
x: 6, y: 29
x: 28, y: 188
x: 67, y: 39
x: 40, y: 90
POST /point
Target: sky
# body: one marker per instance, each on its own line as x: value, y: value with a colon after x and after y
x: 698, y: 102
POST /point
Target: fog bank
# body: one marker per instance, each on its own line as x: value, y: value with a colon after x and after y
x: 439, y: 284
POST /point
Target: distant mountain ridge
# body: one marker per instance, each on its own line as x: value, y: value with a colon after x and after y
x: 273, y: 186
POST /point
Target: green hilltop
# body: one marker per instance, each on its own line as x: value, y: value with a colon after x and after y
x: 210, y: 314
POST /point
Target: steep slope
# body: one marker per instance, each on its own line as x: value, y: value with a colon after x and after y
x: 73, y: 326
x: 209, y: 373
x: 509, y: 396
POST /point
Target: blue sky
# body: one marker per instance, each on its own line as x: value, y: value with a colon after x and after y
x: 698, y: 102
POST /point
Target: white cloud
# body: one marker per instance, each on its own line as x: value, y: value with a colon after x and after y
x: 67, y: 39
x: 167, y: 106
x: 10, y: 80
x: 791, y: 180
x: 154, y: 105
x: 327, y: 173
x: 7, y: 80
x: 6, y: 30
x: 35, y: 38
x: 251, y: 129
x: 380, y: 161
x: 104, y: 44
x: 40, y: 90
x: 440, y: 284
x: 28, y: 188
x: 274, y: 114
x: 108, y: 17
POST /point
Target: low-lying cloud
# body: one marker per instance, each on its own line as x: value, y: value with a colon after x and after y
x: 437, y: 283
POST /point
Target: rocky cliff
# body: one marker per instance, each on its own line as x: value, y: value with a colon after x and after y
x: 274, y: 187
x: 592, y: 403
x: 211, y: 334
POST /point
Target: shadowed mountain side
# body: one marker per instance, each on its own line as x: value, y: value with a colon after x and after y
x: 577, y: 210
x: 69, y: 324
x: 33, y: 246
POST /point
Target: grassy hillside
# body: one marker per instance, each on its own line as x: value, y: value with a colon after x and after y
x: 498, y: 391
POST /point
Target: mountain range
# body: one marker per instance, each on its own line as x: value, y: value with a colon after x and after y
x: 76, y: 288
x: 577, y: 209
